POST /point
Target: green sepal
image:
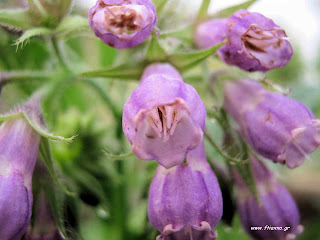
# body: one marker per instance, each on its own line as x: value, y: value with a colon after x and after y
x: 56, y: 199
x: 45, y: 151
x: 15, y: 18
x: 227, y: 12
x: 186, y: 60
x: 33, y: 32
x: 72, y: 25
x: 184, y: 34
x: 127, y: 71
x: 35, y: 119
x: 246, y: 174
x: 155, y: 52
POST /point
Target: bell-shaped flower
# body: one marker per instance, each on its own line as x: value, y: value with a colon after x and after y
x: 276, y: 217
x: 19, y: 144
x: 164, y: 118
x: 123, y: 23
x: 255, y: 43
x: 185, y: 202
x: 276, y: 127
x: 211, y: 33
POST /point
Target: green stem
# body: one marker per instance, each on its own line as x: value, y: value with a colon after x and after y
x: 19, y: 76
x: 203, y: 12
x: 41, y: 9
x: 57, y: 52
x: 218, y: 149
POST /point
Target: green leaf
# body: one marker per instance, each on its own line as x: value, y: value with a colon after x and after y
x: 46, y: 154
x: 36, y: 123
x: 187, y: 60
x: 31, y: 112
x: 185, y: 34
x: 56, y: 200
x: 71, y: 25
x: 127, y: 71
x: 159, y: 4
x: 224, y: 13
x: 203, y: 11
x: 33, y: 33
x: 245, y: 172
x: 16, y: 18
x: 155, y: 51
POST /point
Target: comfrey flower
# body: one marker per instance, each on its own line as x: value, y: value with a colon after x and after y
x: 164, y: 118
x: 277, y: 216
x: 123, y: 23
x: 211, y: 33
x: 185, y: 202
x: 277, y: 127
x: 255, y: 43
x: 19, y: 144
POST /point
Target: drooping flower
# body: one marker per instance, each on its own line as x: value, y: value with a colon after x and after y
x: 277, y: 216
x: 185, y: 202
x: 255, y: 43
x: 164, y: 118
x: 123, y: 23
x: 277, y: 127
x: 211, y: 33
x: 19, y: 144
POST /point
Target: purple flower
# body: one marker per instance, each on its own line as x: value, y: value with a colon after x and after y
x: 185, y: 202
x: 164, y: 118
x: 255, y: 43
x: 123, y: 23
x: 277, y: 214
x: 211, y: 33
x: 19, y: 144
x: 277, y: 127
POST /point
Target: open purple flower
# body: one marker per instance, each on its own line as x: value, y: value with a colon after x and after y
x: 123, y: 23
x: 255, y: 43
x: 277, y: 216
x: 19, y: 144
x: 211, y: 33
x: 277, y: 127
x: 164, y: 118
x: 185, y: 202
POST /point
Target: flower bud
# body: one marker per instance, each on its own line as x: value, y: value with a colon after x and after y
x: 277, y: 127
x: 277, y: 214
x: 123, y: 23
x: 211, y: 33
x: 19, y: 145
x: 164, y: 118
x: 255, y: 43
x: 185, y: 201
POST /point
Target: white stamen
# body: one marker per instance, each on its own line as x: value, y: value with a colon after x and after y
x: 164, y: 120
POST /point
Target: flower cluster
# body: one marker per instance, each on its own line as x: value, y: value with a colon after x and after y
x: 164, y: 120
x: 277, y: 127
